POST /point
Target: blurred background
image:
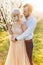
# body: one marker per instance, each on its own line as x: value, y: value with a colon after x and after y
x: 6, y: 7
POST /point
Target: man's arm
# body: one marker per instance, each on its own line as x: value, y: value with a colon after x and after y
x: 27, y: 32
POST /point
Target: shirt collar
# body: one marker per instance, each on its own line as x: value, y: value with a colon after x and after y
x: 29, y: 17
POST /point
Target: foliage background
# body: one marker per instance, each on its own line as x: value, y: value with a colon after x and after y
x: 4, y: 40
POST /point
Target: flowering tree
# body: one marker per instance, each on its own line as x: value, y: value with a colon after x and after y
x: 6, y: 7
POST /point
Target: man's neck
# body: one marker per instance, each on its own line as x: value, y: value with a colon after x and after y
x: 27, y: 16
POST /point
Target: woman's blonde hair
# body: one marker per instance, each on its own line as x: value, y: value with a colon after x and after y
x: 15, y: 12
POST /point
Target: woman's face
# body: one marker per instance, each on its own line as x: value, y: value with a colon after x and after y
x: 16, y: 17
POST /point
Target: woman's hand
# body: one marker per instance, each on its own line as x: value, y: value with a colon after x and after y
x: 12, y: 39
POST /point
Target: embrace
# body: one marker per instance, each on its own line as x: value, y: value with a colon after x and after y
x: 21, y: 37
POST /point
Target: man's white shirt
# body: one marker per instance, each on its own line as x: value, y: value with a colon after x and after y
x: 30, y: 24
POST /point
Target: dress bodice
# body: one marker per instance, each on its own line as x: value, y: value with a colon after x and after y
x: 16, y: 28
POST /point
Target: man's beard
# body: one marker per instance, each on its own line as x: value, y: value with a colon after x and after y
x: 27, y: 16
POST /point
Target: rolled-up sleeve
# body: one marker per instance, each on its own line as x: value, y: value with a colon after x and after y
x: 29, y: 30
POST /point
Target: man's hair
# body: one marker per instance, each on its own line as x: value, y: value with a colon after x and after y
x: 29, y: 7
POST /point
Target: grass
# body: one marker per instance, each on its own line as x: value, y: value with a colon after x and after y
x: 38, y: 45
x: 4, y: 46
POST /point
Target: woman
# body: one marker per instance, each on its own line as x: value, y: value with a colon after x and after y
x: 17, y: 52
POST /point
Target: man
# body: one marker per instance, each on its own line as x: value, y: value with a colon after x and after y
x: 28, y: 34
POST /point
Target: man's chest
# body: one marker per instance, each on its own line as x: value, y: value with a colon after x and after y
x: 27, y: 23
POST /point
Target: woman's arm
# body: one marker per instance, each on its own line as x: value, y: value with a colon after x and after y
x: 10, y: 28
x: 23, y: 27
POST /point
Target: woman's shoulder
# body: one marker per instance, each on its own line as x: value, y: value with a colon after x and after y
x: 22, y: 22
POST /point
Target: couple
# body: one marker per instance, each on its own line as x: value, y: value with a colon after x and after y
x: 20, y: 35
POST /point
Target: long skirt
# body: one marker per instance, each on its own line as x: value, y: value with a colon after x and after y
x: 17, y: 54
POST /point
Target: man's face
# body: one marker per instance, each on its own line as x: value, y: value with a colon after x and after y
x: 26, y: 11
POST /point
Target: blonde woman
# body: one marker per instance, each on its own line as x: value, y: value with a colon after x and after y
x: 17, y: 53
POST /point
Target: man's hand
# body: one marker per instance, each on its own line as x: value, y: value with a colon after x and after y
x: 13, y: 39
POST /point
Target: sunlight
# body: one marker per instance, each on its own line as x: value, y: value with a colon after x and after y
x: 37, y: 4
